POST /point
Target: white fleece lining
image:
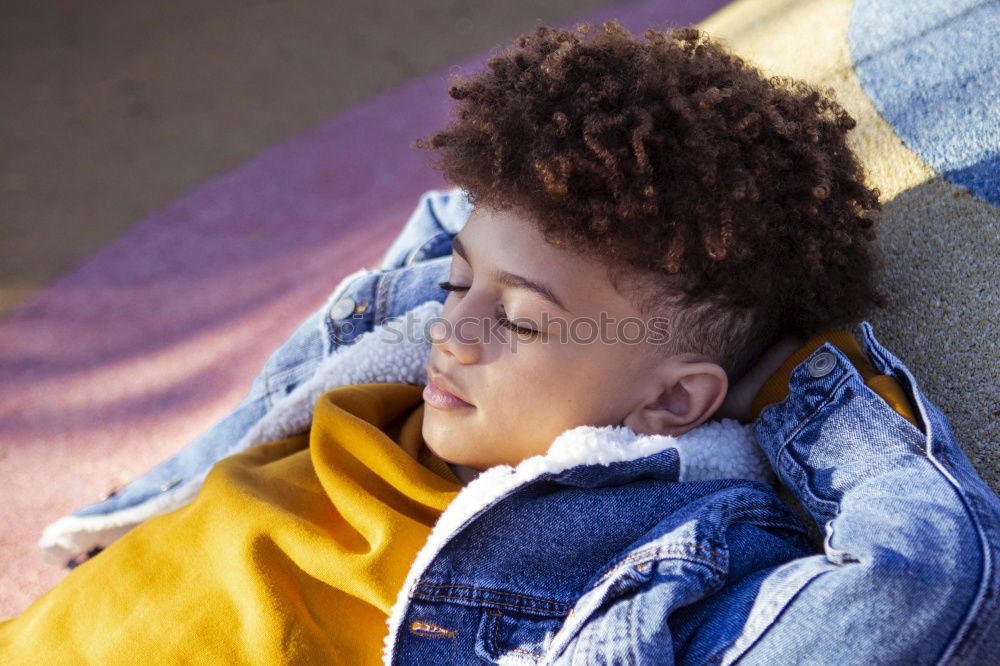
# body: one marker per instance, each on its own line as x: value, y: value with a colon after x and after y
x: 722, y: 449
x: 381, y: 355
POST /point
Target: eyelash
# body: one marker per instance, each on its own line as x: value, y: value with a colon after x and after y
x: 501, y: 315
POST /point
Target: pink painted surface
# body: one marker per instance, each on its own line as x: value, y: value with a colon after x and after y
x: 119, y: 363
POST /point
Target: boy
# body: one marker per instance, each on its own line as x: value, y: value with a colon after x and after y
x: 608, y: 517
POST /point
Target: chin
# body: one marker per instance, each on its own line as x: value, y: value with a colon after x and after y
x: 436, y: 436
x: 445, y: 443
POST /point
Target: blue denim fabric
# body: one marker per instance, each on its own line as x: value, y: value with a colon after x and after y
x: 428, y: 232
x: 622, y: 564
x: 408, y: 274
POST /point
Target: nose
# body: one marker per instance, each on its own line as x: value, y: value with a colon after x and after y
x: 456, y: 333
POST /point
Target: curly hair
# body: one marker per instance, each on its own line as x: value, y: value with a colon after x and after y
x: 678, y: 165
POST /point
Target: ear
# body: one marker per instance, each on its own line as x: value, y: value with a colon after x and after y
x: 686, y: 390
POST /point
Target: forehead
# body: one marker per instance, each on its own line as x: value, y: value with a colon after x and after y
x: 509, y: 241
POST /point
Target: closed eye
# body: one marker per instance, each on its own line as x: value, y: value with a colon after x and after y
x: 502, y: 319
x: 508, y: 324
x: 448, y: 286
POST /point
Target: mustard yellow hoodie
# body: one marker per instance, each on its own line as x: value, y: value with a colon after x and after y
x: 293, y: 551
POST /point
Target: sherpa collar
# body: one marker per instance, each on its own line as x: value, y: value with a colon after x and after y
x: 723, y: 449
x: 714, y: 450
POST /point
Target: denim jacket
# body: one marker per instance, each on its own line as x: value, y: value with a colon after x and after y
x: 611, y: 548
x: 409, y: 272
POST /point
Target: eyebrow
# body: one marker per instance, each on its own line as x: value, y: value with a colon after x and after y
x: 512, y: 280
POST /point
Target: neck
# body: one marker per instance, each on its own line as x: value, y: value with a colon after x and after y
x: 464, y: 474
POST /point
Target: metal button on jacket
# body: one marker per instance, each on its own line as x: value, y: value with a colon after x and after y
x: 822, y: 364
x: 342, y: 309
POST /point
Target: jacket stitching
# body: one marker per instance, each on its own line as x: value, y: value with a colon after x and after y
x: 790, y: 462
x: 421, y: 249
x: 971, y: 622
x: 630, y: 631
x: 751, y: 515
x: 893, y: 418
x: 531, y: 609
x: 681, y: 549
x: 499, y: 592
x: 820, y: 405
x: 496, y: 648
x: 971, y: 626
x: 330, y: 327
x: 958, y: 644
x: 382, y: 299
x: 775, y: 609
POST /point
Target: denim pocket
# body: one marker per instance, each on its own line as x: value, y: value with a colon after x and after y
x: 515, y: 637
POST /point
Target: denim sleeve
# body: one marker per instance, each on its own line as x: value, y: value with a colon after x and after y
x: 293, y: 362
x: 908, y: 568
x: 408, y: 274
x: 427, y: 234
x: 363, y: 300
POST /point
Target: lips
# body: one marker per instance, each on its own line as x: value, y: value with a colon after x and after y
x: 441, y: 392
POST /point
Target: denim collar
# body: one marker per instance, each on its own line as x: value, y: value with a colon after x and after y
x: 390, y: 353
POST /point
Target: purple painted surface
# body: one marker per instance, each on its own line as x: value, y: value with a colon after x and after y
x: 120, y: 362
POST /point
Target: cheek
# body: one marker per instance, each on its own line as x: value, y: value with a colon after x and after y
x: 539, y: 388
x: 584, y: 388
